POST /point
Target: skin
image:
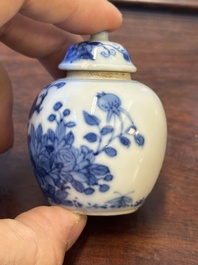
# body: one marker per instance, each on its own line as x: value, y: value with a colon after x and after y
x: 43, y: 31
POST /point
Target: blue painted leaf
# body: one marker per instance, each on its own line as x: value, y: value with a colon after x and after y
x: 51, y: 135
x: 70, y: 124
x: 52, y: 117
x: 126, y: 56
x: 92, y: 180
x: 91, y: 137
x: 57, y: 106
x: 98, y: 170
x: 39, y: 132
x: 91, y: 119
x: 49, y: 148
x: 42, y: 173
x: 139, y: 139
x: 70, y: 138
x: 110, y: 151
x: 125, y: 141
x: 50, y: 190
x: 89, y: 191
x: 54, y: 172
x: 104, y: 188
x: 61, y: 144
x: 68, y: 203
x: 78, y: 186
x: 58, y: 183
x: 60, y: 84
x: 86, y: 55
x: 66, y: 112
x: 44, y: 139
x: 107, y: 129
x: 67, y: 177
x: 61, y: 195
x: 60, y: 131
x: 32, y: 133
x: 108, y: 177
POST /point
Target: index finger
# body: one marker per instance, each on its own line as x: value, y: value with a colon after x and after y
x: 76, y: 16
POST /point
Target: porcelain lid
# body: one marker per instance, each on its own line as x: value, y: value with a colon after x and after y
x: 98, y: 54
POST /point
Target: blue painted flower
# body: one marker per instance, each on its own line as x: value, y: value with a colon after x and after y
x: 59, y: 164
x: 80, y: 51
x: 42, y: 155
x: 75, y: 159
x: 109, y: 103
x: 80, y: 169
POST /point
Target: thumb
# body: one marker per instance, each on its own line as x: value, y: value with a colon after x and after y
x: 39, y: 236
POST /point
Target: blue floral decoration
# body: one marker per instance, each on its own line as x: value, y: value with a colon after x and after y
x: 37, y: 105
x: 120, y: 201
x: 84, y: 51
x: 61, y: 166
x: 111, y: 104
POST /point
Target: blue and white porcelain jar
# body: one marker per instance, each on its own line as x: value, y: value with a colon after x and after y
x: 97, y: 138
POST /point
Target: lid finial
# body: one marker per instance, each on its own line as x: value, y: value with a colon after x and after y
x: 101, y: 36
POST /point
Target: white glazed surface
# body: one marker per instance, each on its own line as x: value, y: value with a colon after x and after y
x: 134, y: 168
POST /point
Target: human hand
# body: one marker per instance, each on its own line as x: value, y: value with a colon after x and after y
x: 44, y: 30
x: 40, y: 236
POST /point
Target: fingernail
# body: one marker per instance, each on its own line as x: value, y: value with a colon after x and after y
x: 76, y: 229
